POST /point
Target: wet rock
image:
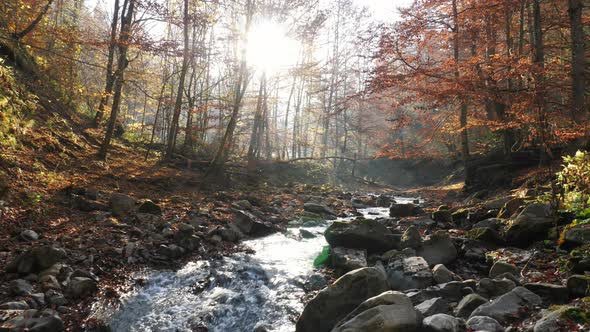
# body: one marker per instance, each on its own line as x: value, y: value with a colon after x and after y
x: 579, y: 285
x: 443, y: 275
x: 16, y: 305
x: 434, y: 306
x: 318, y: 208
x: 442, y: 216
x: 403, y: 210
x: 230, y: 234
x: 469, y: 303
x: 383, y: 201
x: 443, y: 323
x: 332, y: 304
x: 149, y: 207
x: 411, y: 238
x: 531, y: 223
x: 36, y: 259
x: 29, y: 235
x: 503, y: 267
x: 250, y: 224
x: 121, y: 205
x: 550, y: 293
x: 20, y: 287
x: 494, y: 287
x: 575, y: 236
x: 389, y: 311
x: 80, y: 287
x: 55, y: 298
x: 172, y: 251
x: 306, y: 234
x: 460, y: 216
x: 409, y: 273
x: 512, y: 304
x: 315, y: 282
x: 347, y: 259
x: 492, y: 223
x: 361, y: 234
x: 438, y: 249
x: 483, y: 323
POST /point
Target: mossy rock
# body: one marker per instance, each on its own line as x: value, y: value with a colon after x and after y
x: 310, y: 216
x: 460, y: 215
x: 484, y: 234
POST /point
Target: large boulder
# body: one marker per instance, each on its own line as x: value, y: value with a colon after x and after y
x: 361, y: 234
x: 411, y: 238
x: 550, y: 293
x: 575, y: 236
x: 347, y: 259
x: 387, y: 312
x: 318, y: 208
x: 438, y: 249
x: 334, y: 302
x: 36, y: 259
x: 250, y: 224
x: 510, y: 305
x: 34, y: 321
x: 121, y: 205
x: 531, y: 223
x: 403, y: 210
x: 409, y: 273
x: 556, y: 318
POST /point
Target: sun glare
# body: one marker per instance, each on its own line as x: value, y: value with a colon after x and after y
x: 269, y: 47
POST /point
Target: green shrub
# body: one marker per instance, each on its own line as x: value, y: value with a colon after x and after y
x: 574, y: 183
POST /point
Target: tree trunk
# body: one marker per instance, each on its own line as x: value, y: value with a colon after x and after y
x: 579, y: 111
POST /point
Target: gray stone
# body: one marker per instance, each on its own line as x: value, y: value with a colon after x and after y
x: 512, y: 304
x: 360, y: 234
x: 550, y: 293
x: 411, y: 238
x: 403, y: 210
x: 230, y: 234
x: 494, y: 287
x: 409, y: 273
x: 318, y: 208
x: 243, y: 204
x: 29, y: 235
x: 387, y: 312
x: 121, y: 205
x: 443, y: 323
x: 16, y: 305
x: 578, y: 285
x: 469, y: 303
x: 49, y: 282
x: 492, y: 223
x: 554, y: 319
x: 503, y: 267
x: 55, y: 298
x: 483, y: 323
x: 20, y: 287
x: 442, y: 216
x: 438, y: 249
x: 149, y: 207
x: 250, y: 224
x: 306, y: 234
x: 347, y: 259
x: 36, y: 259
x: 576, y: 236
x: 35, y: 321
x: 334, y: 302
x: 532, y: 222
x: 434, y: 306
x: 315, y: 282
x: 443, y: 275
x: 80, y: 287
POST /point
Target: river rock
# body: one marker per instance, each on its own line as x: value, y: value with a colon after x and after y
x: 36, y: 259
x: 334, y: 302
x: 578, y: 285
x: 16, y: 305
x: 443, y: 275
x: 468, y: 304
x: 550, y: 293
x: 442, y: 216
x: 511, y: 207
x: 503, y: 267
x: 250, y: 224
x: 531, y: 223
x: 403, y: 210
x: 387, y: 312
x: 347, y: 259
x: 411, y: 238
x: 494, y: 287
x: 34, y: 321
x: 306, y: 234
x: 149, y: 207
x: 483, y: 323
x: 492, y: 223
x: 554, y: 319
x: 575, y: 236
x: 409, y: 273
x: 443, y: 323
x: 80, y: 287
x: 384, y: 201
x: 438, y: 248
x: 121, y: 205
x: 29, y: 235
x: 434, y: 306
x: 361, y: 234
x: 20, y: 287
x: 318, y: 208
x: 512, y: 304
x: 484, y: 235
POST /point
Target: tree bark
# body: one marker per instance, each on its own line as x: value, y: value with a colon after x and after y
x: 579, y: 111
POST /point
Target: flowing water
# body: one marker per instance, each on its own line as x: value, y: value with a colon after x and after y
x: 242, y: 292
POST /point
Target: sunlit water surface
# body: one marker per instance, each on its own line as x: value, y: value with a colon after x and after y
x: 242, y: 292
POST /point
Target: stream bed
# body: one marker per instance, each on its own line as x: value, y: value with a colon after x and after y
x: 242, y: 292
